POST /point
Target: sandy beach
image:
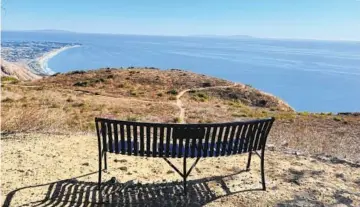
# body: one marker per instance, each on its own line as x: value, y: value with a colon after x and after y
x: 43, y: 60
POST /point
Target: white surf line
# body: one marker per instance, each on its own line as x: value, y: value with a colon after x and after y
x: 179, y: 102
x: 43, y: 60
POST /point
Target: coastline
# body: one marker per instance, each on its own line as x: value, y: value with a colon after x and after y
x: 43, y: 60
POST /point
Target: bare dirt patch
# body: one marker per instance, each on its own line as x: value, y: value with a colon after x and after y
x: 62, y: 170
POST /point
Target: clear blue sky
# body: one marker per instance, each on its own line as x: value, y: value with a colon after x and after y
x: 309, y: 19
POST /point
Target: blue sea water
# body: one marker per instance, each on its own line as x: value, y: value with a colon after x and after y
x: 314, y: 76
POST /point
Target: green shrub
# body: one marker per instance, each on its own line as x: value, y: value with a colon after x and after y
x: 207, y: 121
x: 206, y: 84
x: 69, y: 99
x: 100, y: 80
x: 132, y: 118
x: 55, y: 74
x: 304, y: 113
x: 337, y: 118
x: 172, y: 92
x: 202, y: 97
x: 177, y: 120
x: 239, y: 115
x: 81, y: 83
x: 78, y: 104
x: 133, y: 93
x: 76, y: 72
x: 9, y: 79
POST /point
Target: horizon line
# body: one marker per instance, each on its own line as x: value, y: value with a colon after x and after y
x: 186, y: 35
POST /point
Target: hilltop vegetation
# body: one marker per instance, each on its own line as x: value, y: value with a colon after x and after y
x: 69, y: 102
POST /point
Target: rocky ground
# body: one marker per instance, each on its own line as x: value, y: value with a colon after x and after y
x: 61, y: 170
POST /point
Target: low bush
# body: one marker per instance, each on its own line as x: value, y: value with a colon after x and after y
x: 172, y: 92
x: 132, y: 118
x: 7, y: 100
x: 9, y: 79
x: 81, y: 83
x: 76, y: 72
x: 337, y: 118
x: 55, y: 74
x: 206, y: 84
x: 177, y: 120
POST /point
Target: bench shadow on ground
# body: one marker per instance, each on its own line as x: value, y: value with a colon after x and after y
x: 73, y: 192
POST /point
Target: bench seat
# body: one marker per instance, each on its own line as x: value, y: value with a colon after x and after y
x: 175, y: 150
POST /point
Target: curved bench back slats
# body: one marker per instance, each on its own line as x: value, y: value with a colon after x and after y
x: 179, y: 140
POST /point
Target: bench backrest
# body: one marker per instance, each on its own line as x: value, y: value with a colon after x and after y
x: 178, y: 140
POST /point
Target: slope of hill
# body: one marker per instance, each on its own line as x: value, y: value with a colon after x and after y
x: 43, y: 123
x: 69, y: 102
x: 16, y: 70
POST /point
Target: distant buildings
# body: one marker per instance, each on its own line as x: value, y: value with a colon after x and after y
x: 28, y: 51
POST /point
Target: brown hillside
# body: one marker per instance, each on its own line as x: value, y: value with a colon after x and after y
x: 69, y: 102
x: 16, y: 70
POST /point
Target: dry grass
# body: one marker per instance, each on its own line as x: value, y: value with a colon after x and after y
x: 57, y: 104
x: 304, y: 132
x: 33, y: 119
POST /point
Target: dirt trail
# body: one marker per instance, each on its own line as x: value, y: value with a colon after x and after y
x: 179, y: 102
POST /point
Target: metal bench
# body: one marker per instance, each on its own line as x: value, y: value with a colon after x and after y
x: 182, y: 141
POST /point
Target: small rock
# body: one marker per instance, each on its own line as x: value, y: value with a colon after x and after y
x: 122, y: 160
x: 113, y: 180
x: 86, y: 164
x: 339, y: 175
x: 271, y: 147
x: 284, y: 144
x: 123, y: 168
x: 169, y: 172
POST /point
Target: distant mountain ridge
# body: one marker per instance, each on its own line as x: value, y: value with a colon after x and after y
x: 42, y: 31
x: 225, y: 36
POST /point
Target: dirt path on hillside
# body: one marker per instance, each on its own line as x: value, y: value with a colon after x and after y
x: 179, y: 103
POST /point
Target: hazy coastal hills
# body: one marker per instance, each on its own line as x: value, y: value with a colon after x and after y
x: 48, y: 126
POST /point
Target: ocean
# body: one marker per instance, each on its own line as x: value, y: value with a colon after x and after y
x: 310, y: 75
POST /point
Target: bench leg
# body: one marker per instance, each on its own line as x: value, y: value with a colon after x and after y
x: 105, y: 161
x: 249, y: 161
x: 262, y: 171
x: 100, y: 169
x: 185, y: 176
